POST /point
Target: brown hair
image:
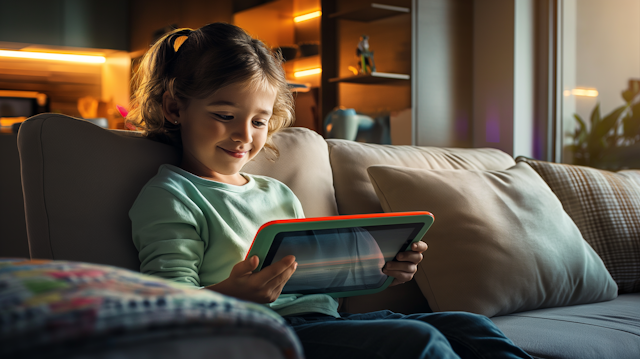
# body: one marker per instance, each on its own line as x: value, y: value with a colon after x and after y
x: 194, y: 64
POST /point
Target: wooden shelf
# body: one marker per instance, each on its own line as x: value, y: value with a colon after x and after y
x: 372, y: 78
x: 298, y: 87
x: 312, y: 58
x: 372, y: 12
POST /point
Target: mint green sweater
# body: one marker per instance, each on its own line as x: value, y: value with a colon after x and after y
x: 192, y: 230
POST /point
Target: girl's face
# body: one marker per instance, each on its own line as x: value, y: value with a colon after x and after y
x: 224, y: 131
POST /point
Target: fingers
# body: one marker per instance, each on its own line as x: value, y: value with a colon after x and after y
x: 261, y: 287
x: 279, y: 282
x: 410, y: 256
x: 272, y: 287
x: 401, y: 271
x: 419, y: 246
x: 400, y: 267
x: 276, y: 269
x: 253, y: 263
x: 245, y: 267
x: 400, y: 277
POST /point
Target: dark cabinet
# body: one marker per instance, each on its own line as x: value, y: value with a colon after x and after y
x: 75, y: 23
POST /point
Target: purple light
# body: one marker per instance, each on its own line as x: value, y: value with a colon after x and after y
x: 492, y: 127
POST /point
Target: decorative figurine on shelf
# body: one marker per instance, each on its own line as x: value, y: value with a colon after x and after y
x: 366, y: 65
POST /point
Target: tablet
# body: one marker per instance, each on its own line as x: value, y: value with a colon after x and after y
x: 340, y: 256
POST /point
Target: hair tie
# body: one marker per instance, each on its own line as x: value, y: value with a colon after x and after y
x: 178, y: 41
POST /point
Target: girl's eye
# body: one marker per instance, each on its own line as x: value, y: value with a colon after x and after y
x: 223, y: 117
x: 259, y: 123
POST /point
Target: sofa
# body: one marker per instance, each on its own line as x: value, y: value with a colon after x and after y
x: 503, y: 243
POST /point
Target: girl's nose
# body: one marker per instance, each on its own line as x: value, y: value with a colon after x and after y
x: 242, y: 132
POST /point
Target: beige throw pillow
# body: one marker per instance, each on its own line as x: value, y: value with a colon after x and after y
x: 501, y: 242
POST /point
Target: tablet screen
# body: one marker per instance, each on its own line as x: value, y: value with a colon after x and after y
x: 338, y: 260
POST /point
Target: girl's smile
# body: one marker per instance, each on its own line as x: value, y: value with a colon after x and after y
x: 224, y: 131
x: 236, y: 154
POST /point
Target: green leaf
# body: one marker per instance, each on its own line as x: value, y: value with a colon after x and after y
x: 628, y: 95
x: 631, y: 122
x: 595, y: 116
x: 581, y: 133
x: 608, y: 123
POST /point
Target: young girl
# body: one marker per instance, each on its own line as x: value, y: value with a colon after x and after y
x: 218, y: 96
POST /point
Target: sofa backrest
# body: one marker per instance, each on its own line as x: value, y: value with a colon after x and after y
x: 350, y: 160
x: 80, y: 180
x: 304, y: 166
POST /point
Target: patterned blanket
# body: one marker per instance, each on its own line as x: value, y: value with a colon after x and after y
x: 55, y: 305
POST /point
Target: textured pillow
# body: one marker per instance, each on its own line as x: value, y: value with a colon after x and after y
x: 606, y: 208
x: 51, y: 306
x: 500, y: 243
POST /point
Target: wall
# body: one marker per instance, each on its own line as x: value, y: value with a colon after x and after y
x: 77, y: 23
x: 151, y: 15
x: 504, y: 79
x: 481, y: 75
x: 443, y: 72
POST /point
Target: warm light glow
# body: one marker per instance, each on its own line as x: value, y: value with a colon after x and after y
x: 8, y: 121
x: 52, y: 56
x: 309, y: 16
x: 581, y: 92
x: 585, y: 92
x: 307, y: 72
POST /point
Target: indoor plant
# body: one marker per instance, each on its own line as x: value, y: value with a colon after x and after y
x: 611, y: 142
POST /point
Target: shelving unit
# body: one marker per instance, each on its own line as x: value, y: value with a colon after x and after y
x: 370, y: 13
x: 274, y: 23
x: 390, y: 39
x: 373, y: 78
x: 304, y: 58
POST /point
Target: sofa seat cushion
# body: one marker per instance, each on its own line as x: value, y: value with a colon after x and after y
x: 51, y: 306
x: 350, y: 160
x: 598, y: 330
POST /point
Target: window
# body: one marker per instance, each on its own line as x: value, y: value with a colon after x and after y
x: 599, y: 71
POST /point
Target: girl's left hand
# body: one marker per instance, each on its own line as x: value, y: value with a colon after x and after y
x: 406, y: 264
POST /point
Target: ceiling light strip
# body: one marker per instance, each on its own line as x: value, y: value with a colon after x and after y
x: 307, y: 72
x: 309, y: 16
x: 52, y: 56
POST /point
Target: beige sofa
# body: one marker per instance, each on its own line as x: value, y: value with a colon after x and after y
x: 80, y: 180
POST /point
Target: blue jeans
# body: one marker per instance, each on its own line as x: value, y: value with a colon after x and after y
x: 385, y: 334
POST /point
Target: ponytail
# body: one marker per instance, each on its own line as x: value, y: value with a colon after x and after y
x: 150, y: 83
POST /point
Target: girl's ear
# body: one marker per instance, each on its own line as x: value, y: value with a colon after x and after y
x: 171, y: 108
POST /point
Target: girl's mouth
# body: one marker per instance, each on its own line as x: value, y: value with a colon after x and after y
x: 234, y: 153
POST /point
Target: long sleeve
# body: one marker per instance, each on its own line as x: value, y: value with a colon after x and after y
x: 167, y: 235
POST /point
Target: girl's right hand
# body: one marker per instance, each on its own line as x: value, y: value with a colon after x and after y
x: 261, y: 287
